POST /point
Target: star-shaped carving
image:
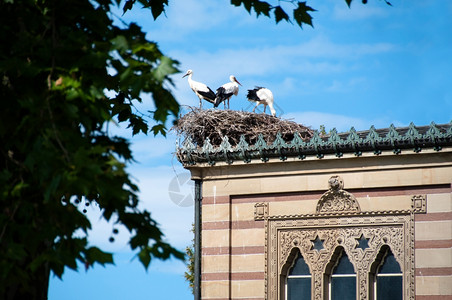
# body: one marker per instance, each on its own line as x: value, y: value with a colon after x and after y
x: 363, y: 242
x: 317, y: 244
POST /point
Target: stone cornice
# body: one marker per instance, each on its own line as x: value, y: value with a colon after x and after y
x: 412, y: 138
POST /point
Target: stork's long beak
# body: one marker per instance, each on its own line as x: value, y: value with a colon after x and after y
x: 185, y: 75
x: 237, y: 81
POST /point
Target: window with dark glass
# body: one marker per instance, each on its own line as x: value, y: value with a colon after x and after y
x: 388, y: 283
x: 298, y: 285
x: 342, y: 285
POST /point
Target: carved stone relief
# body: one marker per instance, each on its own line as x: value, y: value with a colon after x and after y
x: 336, y: 199
x: 362, y: 242
x: 260, y: 211
x: 338, y: 222
x: 419, y: 203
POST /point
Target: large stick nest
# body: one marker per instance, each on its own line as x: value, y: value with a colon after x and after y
x: 214, y: 124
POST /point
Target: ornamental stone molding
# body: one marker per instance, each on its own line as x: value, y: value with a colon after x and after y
x: 338, y: 225
x: 399, y: 140
x: 419, y: 203
x: 363, y: 238
x: 260, y: 211
x: 336, y: 199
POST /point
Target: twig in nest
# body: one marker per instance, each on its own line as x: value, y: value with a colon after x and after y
x: 214, y: 124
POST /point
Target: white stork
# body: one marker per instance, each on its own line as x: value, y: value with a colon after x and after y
x: 226, y: 91
x: 261, y: 95
x: 201, y: 90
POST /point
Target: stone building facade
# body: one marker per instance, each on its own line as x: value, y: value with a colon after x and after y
x: 367, y: 214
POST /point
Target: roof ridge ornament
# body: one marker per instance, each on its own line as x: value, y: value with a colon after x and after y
x: 354, y: 140
x: 413, y: 135
x: 336, y: 199
x: 373, y: 138
x: 298, y: 144
x: 226, y: 148
x: 260, y: 146
x: 434, y: 134
x: 316, y: 142
x: 335, y: 141
x: 189, y: 148
x: 243, y: 147
x: 392, y: 137
x: 208, y: 149
x: 279, y: 144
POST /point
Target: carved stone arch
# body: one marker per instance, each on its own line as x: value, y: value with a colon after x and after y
x: 328, y: 270
x: 379, y: 257
x: 374, y: 265
x: 333, y: 259
x: 395, y: 244
x: 284, y: 272
x: 339, y: 232
x: 381, y: 253
x: 290, y: 260
x: 336, y: 199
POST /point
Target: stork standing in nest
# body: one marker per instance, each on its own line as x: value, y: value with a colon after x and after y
x: 261, y: 95
x: 226, y: 91
x: 201, y: 90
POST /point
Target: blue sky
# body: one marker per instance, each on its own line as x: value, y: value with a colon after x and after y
x: 368, y: 65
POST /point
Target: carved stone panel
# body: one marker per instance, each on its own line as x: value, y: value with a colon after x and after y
x: 361, y: 237
x: 336, y: 200
x: 419, y: 203
x: 260, y: 211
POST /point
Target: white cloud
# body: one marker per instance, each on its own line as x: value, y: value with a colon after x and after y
x: 317, y: 56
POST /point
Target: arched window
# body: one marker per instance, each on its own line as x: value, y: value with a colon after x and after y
x: 388, y: 277
x: 298, y: 282
x: 342, y: 281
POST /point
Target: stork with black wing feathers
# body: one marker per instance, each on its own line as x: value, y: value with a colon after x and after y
x: 261, y: 95
x: 201, y: 90
x: 225, y: 92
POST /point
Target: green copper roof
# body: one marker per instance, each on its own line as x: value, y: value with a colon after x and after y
x: 397, y: 139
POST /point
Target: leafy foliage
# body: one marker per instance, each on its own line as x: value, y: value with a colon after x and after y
x: 66, y: 72
x: 301, y: 12
x: 190, y: 253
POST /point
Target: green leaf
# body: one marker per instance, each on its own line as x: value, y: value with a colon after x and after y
x: 247, y: 4
x: 301, y: 14
x: 120, y: 43
x: 160, y: 128
x: 157, y: 6
x: 128, y: 6
x: 145, y: 257
x: 52, y: 187
x: 18, y: 188
x: 280, y: 14
x: 236, y: 2
x: 95, y: 255
x: 138, y: 125
x: 165, y: 68
x: 261, y: 7
x: 125, y: 114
